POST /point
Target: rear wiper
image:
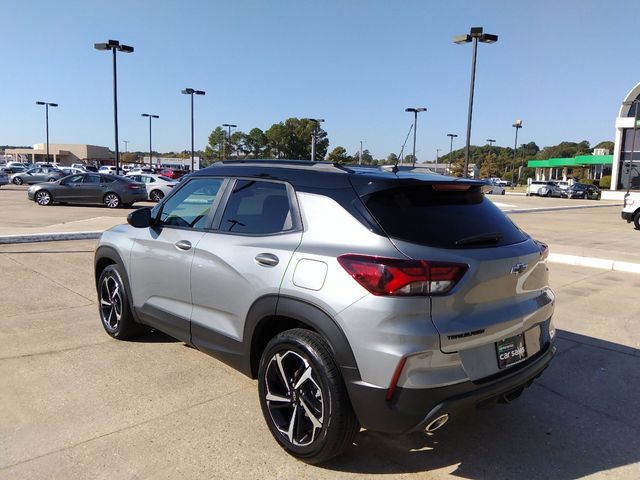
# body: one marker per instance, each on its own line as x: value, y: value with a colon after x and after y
x: 482, y: 238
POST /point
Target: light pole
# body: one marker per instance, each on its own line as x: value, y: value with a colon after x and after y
x: 314, y: 134
x: 126, y: 145
x: 46, y: 115
x: 192, y: 92
x: 452, y: 136
x: 491, y: 141
x: 415, y: 128
x: 229, y: 126
x: 517, y: 126
x: 437, y: 158
x: 150, y: 150
x: 114, y: 45
x: 360, y: 154
x: 475, y: 35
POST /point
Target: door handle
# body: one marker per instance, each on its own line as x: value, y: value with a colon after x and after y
x: 267, y: 259
x: 183, y: 245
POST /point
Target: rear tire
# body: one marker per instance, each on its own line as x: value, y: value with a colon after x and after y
x: 636, y: 220
x: 18, y: 181
x: 112, y: 200
x: 303, y: 397
x: 115, y: 312
x: 156, y: 196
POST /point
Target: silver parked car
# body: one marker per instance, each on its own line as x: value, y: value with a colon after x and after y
x: 37, y: 175
x: 550, y: 190
x: 110, y: 190
x: 4, y: 179
x: 389, y: 300
x: 157, y: 185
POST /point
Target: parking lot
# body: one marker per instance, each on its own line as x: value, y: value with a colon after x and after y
x: 77, y: 404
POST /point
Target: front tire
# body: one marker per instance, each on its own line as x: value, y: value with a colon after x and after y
x: 18, y: 181
x: 636, y: 220
x: 43, y: 198
x: 303, y: 397
x: 115, y: 312
x: 112, y: 200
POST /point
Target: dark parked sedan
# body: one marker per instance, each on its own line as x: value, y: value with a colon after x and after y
x: 579, y: 190
x: 110, y: 190
x: 37, y: 175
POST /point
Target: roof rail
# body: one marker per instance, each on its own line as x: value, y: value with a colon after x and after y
x: 319, y: 165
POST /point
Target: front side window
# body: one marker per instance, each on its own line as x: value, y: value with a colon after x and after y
x: 257, y: 208
x: 190, y: 206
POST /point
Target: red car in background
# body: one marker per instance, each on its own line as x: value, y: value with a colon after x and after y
x: 172, y: 173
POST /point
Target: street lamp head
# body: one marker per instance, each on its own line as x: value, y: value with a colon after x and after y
x: 476, y: 32
x: 200, y: 92
x: 145, y: 115
x: 101, y: 46
x: 188, y: 91
x: 488, y: 38
x: 490, y: 140
x: 517, y: 124
x: 113, y: 43
x: 155, y: 116
x: 415, y: 110
x: 452, y: 135
x: 53, y: 104
x: 229, y: 125
x: 125, y: 48
x: 461, y: 39
x: 40, y: 103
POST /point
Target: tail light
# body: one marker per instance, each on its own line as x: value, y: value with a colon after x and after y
x: 398, y: 277
x: 544, y: 249
x: 133, y: 186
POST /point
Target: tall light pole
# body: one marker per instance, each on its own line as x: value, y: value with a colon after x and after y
x: 475, y: 35
x: 150, y: 149
x: 360, y: 154
x: 437, y: 158
x: 314, y: 135
x: 452, y: 136
x: 126, y: 145
x: 192, y: 92
x: 229, y: 126
x: 415, y: 128
x: 114, y: 45
x: 46, y: 115
x: 517, y: 126
x: 491, y: 141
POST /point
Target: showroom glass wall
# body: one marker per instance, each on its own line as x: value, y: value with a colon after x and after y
x: 630, y: 160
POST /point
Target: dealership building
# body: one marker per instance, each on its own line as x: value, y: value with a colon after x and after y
x: 62, y: 153
x: 625, y: 170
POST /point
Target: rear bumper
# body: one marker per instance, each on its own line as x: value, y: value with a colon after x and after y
x: 628, y: 216
x: 412, y: 409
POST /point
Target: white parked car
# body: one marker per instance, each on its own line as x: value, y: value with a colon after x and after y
x: 631, y: 209
x: 496, y: 188
x: 157, y: 185
x: 111, y: 170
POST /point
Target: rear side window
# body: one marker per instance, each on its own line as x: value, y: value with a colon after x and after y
x: 442, y: 218
x: 257, y: 208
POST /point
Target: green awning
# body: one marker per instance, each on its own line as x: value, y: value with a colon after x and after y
x: 578, y: 161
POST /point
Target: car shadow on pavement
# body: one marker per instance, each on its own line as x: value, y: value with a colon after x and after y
x: 154, y: 336
x: 579, y: 418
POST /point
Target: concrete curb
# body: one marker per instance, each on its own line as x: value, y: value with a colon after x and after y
x: 601, y: 263
x: 551, y: 209
x: 49, y: 237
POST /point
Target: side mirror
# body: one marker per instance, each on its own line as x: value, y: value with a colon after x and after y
x: 140, y: 218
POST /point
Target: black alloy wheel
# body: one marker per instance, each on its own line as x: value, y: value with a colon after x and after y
x: 303, y: 397
x: 17, y: 181
x: 156, y: 195
x: 115, y: 311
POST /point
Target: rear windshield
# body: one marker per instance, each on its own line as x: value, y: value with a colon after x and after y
x: 442, y: 218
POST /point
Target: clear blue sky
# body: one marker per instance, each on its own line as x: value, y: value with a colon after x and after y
x: 561, y: 66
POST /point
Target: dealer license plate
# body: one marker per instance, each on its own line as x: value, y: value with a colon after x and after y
x: 511, y: 350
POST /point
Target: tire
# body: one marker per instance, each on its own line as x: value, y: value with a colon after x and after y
x: 156, y: 195
x: 112, y: 200
x: 503, y: 192
x: 43, y: 198
x: 548, y: 194
x: 636, y: 220
x: 17, y: 181
x: 314, y: 422
x: 51, y: 179
x: 113, y: 305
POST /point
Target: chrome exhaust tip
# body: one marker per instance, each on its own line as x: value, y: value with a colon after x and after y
x: 437, y: 423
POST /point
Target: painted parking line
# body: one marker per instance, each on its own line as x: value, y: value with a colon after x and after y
x: 593, y: 262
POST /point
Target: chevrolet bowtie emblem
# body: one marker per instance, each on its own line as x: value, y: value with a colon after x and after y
x: 518, y: 268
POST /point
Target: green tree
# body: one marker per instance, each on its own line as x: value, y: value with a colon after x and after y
x: 338, y: 155
x: 256, y: 143
x: 213, y: 151
x: 292, y: 139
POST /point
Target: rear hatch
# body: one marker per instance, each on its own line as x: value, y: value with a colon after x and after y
x: 504, y: 288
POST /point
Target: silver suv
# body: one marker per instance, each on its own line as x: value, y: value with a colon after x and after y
x: 357, y: 297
